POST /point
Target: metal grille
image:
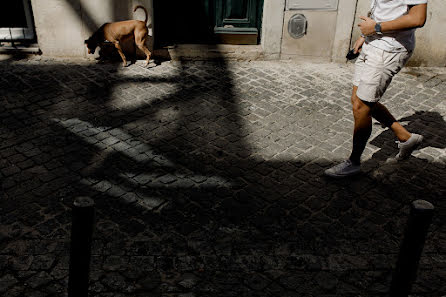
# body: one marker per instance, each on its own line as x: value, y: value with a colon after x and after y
x: 297, y: 26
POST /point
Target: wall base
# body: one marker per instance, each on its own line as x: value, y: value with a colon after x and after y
x: 212, y: 52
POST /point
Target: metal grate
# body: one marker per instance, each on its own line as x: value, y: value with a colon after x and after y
x: 297, y: 26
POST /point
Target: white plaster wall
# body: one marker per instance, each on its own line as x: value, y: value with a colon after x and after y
x: 431, y: 39
x: 272, y: 24
x: 363, y: 6
x: 58, y: 27
x: 328, y: 34
x: 63, y: 25
x: 317, y: 43
x: 344, y: 26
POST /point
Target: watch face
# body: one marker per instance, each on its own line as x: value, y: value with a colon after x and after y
x: 378, y: 28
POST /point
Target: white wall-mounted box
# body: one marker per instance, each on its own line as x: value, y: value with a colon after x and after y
x: 312, y: 4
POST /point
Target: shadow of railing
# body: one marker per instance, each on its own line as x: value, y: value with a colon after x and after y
x: 185, y: 202
x: 165, y: 154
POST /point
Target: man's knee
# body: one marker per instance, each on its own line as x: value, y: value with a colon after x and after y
x: 361, y: 107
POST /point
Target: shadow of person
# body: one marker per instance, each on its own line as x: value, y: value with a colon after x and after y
x: 430, y: 124
x: 427, y: 123
x: 418, y: 176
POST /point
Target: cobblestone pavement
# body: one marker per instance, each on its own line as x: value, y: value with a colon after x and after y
x: 208, y: 179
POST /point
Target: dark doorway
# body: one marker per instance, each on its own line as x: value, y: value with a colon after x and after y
x: 207, y: 21
x: 181, y: 21
x: 16, y: 22
x: 12, y: 14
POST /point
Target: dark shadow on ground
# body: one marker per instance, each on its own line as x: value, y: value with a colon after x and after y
x: 430, y: 124
x: 184, y: 203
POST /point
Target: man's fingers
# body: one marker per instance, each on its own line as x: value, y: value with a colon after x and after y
x: 363, y: 18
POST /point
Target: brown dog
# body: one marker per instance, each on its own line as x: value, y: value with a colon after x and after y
x: 118, y: 32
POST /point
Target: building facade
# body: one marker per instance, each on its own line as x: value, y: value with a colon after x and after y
x: 310, y: 30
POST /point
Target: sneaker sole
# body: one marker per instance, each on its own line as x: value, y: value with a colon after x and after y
x: 341, y: 176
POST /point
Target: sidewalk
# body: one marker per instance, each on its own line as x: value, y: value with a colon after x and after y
x: 208, y: 179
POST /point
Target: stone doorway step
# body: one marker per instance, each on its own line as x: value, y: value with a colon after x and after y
x: 19, y: 47
x: 182, y: 52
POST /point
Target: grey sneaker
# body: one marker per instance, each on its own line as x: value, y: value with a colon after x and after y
x: 343, y: 169
x: 407, y: 147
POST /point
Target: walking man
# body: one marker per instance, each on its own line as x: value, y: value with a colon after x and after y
x: 386, y: 44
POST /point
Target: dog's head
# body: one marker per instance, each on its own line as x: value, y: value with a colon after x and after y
x: 91, y: 45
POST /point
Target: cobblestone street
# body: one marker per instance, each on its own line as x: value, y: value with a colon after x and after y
x: 208, y: 179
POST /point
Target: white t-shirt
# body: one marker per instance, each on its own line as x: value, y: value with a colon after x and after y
x: 389, y: 10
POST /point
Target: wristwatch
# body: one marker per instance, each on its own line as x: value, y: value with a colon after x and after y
x: 378, y: 29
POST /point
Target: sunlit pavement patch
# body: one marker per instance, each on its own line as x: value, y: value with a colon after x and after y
x: 104, y: 138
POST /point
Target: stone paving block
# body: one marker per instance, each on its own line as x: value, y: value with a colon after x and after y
x: 212, y: 165
x: 6, y: 282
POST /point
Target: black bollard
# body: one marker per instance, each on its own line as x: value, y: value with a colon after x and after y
x: 418, y: 224
x: 80, y: 250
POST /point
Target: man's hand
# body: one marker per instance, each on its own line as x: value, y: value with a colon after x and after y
x: 414, y: 19
x: 367, y: 26
x: 358, y: 44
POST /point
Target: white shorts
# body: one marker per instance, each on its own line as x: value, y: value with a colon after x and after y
x: 374, y: 70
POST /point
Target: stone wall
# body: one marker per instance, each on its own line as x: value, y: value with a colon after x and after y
x: 331, y: 33
x: 62, y: 27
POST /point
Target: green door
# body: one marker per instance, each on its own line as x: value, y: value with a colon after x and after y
x: 238, y: 21
x: 207, y: 21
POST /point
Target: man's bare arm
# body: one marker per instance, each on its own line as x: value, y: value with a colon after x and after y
x: 416, y: 18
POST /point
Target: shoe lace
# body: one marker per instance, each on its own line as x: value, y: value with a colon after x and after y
x: 400, y: 144
x: 343, y: 165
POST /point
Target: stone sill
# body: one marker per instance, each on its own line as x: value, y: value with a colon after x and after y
x: 24, y: 49
x: 212, y: 52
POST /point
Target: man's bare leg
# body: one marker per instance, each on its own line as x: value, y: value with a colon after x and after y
x: 408, y: 141
x: 382, y: 115
x: 361, y: 133
x: 362, y: 114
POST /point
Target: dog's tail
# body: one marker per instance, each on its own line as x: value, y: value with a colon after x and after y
x: 145, y: 11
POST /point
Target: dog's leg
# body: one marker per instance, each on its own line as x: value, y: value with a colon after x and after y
x: 129, y: 43
x: 146, y: 51
x: 140, y: 41
x: 135, y: 54
x: 118, y: 47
